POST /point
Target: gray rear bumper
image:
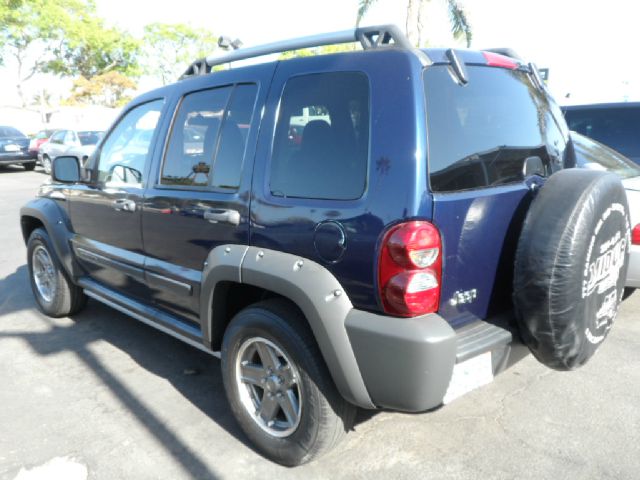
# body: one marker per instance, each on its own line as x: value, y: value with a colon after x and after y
x: 633, y: 274
x: 407, y: 363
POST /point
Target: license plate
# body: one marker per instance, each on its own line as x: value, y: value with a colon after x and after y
x: 12, y: 147
x: 469, y: 375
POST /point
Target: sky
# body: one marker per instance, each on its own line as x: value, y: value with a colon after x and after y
x: 588, y: 46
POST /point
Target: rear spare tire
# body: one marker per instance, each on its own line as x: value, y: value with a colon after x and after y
x: 571, y: 265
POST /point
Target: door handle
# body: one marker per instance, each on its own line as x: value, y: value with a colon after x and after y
x: 223, y: 216
x: 124, y: 205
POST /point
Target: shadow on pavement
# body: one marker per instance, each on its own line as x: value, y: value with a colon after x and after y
x: 155, y: 351
x: 15, y: 292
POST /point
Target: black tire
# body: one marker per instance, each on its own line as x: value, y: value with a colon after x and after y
x: 46, y: 164
x: 325, y: 416
x: 29, y: 166
x: 65, y: 298
x: 571, y: 265
x: 627, y: 293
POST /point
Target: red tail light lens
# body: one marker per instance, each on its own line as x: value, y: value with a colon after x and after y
x: 635, y: 235
x: 497, y: 60
x: 410, y: 269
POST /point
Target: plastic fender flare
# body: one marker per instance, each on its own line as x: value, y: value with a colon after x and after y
x: 325, y: 305
x: 56, y: 222
x: 307, y: 284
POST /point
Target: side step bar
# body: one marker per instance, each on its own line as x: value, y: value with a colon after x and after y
x: 146, y: 314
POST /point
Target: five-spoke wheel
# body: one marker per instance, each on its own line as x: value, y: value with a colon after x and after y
x: 278, y: 385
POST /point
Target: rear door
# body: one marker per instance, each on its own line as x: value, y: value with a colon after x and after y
x: 200, y: 195
x: 489, y: 141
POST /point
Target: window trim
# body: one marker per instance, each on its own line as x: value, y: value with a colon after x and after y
x: 94, y: 180
x: 308, y: 201
x: 207, y: 188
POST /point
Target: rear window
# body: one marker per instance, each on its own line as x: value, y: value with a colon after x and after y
x: 89, y: 137
x: 617, y: 128
x: 10, y: 132
x: 481, y: 133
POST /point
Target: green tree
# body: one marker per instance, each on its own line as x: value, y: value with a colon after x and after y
x: 60, y: 36
x: 170, y: 49
x: 460, y: 27
x: 110, y: 89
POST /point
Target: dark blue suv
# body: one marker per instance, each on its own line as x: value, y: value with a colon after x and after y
x: 377, y: 229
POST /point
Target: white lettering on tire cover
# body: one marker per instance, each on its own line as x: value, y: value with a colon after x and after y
x: 602, y: 273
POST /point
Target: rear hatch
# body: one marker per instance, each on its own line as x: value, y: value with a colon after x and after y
x: 14, y: 144
x: 494, y: 134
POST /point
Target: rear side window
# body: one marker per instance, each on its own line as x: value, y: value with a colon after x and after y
x: 480, y: 134
x: 322, y: 137
x: 208, y: 138
x: 619, y: 128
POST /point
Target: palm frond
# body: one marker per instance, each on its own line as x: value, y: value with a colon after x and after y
x: 460, y: 26
x: 363, y: 8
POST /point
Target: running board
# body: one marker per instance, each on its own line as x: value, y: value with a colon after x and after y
x: 152, y: 317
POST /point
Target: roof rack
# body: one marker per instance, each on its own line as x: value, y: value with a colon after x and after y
x: 369, y: 37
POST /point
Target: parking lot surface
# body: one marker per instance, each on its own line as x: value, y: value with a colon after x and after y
x: 102, y: 396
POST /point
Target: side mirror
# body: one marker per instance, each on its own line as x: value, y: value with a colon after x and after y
x: 65, y: 170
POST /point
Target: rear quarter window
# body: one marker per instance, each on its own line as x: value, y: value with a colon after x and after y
x: 481, y: 133
x: 322, y: 137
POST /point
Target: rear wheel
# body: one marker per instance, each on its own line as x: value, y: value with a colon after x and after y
x: 46, y: 164
x: 278, y: 386
x: 54, y: 293
x: 29, y: 166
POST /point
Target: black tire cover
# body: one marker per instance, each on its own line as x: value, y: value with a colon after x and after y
x: 571, y: 265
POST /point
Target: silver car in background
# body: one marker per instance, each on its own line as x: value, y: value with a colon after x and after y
x: 79, y: 143
x: 596, y: 156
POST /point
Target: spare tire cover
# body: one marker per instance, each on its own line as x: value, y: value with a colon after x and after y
x: 571, y: 265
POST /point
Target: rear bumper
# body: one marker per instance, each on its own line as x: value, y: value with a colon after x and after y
x: 633, y: 274
x: 408, y: 364
x: 18, y: 157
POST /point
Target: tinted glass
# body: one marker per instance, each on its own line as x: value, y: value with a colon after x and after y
x: 58, y: 136
x: 595, y: 156
x: 322, y: 137
x: 480, y: 134
x: 70, y: 137
x: 227, y: 167
x: 618, y: 128
x: 10, y: 132
x: 194, y: 138
x: 89, y: 137
x: 126, y: 150
x: 42, y: 134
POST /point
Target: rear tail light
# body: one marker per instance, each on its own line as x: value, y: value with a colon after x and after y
x: 410, y: 269
x: 497, y: 60
x: 635, y: 235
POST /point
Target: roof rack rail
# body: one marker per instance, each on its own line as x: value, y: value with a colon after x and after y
x: 369, y: 37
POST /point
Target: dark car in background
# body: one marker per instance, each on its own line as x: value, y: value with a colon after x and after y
x: 39, y: 139
x: 79, y: 143
x: 616, y: 125
x: 14, y: 148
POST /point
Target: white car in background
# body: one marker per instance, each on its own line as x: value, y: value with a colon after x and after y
x: 596, y: 156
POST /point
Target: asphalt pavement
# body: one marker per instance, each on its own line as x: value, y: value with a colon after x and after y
x: 102, y: 396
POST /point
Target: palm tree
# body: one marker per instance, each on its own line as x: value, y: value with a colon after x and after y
x: 460, y: 26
